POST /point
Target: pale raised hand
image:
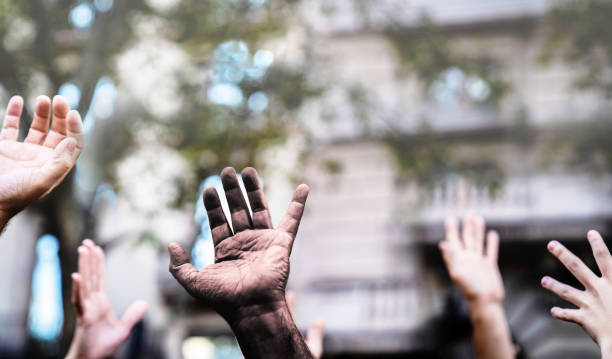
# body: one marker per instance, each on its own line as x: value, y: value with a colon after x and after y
x: 98, y: 332
x: 594, y: 312
x: 246, y: 284
x: 31, y: 169
x: 315, y: 331
x: 472, y: 267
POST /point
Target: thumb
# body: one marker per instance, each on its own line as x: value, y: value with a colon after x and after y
x: 53, y: 172
x: 314, y: 337
x: 134, y: 313
x: 180, y: 267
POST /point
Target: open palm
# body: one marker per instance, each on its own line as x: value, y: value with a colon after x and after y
x: 252, y: 261
x: 473, y: 269
x: 99, y: 332
x: 31, y: 169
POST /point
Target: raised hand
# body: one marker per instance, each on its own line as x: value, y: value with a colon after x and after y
x: 98, y: 332
x: 31, y: 169
x: 594, y: 312
x: 246, y: 284
x: 473, y: 268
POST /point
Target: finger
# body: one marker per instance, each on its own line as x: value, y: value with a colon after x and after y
x: 492, y: 252
x: 85, y: 283
x: 314, y: 337
x: 467, y: 232
x: 55, y: 170
x: 76, y: 297
x: 75, y: 128
x: 10, y: 127
x: 239, y: 210
x: 564, y: 291
x: 101, y: 270
x: 257, y: 200
x: 290, y: 298
x: 134, y: 313
x: 572, y: 263
x: 447, y: 249
x: 180, y: 267
x: 291, y: 220
x: 40, y: 123
x: 568, y: 315
x: 59, y: 125
x: 478, y: 226
x: 93, y: 266
x: 216, y: 217
x: 451, y: 227
x: 601, y: 253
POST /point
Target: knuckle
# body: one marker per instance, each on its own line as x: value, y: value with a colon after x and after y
x: 565, y: 292
x: 599, y: 251
x: 573, y: 264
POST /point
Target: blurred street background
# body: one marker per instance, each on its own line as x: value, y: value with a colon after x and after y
x: 397, y: 113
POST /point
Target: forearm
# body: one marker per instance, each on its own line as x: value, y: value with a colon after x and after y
x: 269, y: 333
x: 606, y: 349
x: 491, y: 333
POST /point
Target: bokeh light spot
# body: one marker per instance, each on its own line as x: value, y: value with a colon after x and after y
x: 226, y: 94
x: 103, y: 5
x: 258, y: 102
x: 82, y: 16
x: 72, y: 93
x: 263, y: 58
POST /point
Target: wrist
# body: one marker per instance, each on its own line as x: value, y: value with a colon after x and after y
x: 484, y: 301
x: 605, y: 345
x: 481, y: 308
x: 268, y: 331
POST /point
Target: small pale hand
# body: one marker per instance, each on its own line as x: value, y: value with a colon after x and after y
x: 31, y: 169
x: 98, y: 331
x: 594, y: 312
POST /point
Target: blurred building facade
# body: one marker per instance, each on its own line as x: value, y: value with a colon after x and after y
x: 367, y: 257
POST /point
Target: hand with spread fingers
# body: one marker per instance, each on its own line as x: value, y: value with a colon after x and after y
x: 246, y: 284
x: 473, y: 268
x: 594, y: 312
x: 315, y: 331
x: 98, y: 332
x: 31, y: 169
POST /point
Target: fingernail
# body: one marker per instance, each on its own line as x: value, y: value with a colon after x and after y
x: 544, y: 281
x: 552, y: 310
x: 552, y: 245
x: 592, y: 233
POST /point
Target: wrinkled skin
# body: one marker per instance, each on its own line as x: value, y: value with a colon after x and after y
x: 594, y: 312
x: 31, y: 169
x: 472, y: 268
x: 98, y: 331
x: 246, y: 284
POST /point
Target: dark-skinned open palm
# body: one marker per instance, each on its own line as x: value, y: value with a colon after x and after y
x: 252, y: 259
x: 29, y: 170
